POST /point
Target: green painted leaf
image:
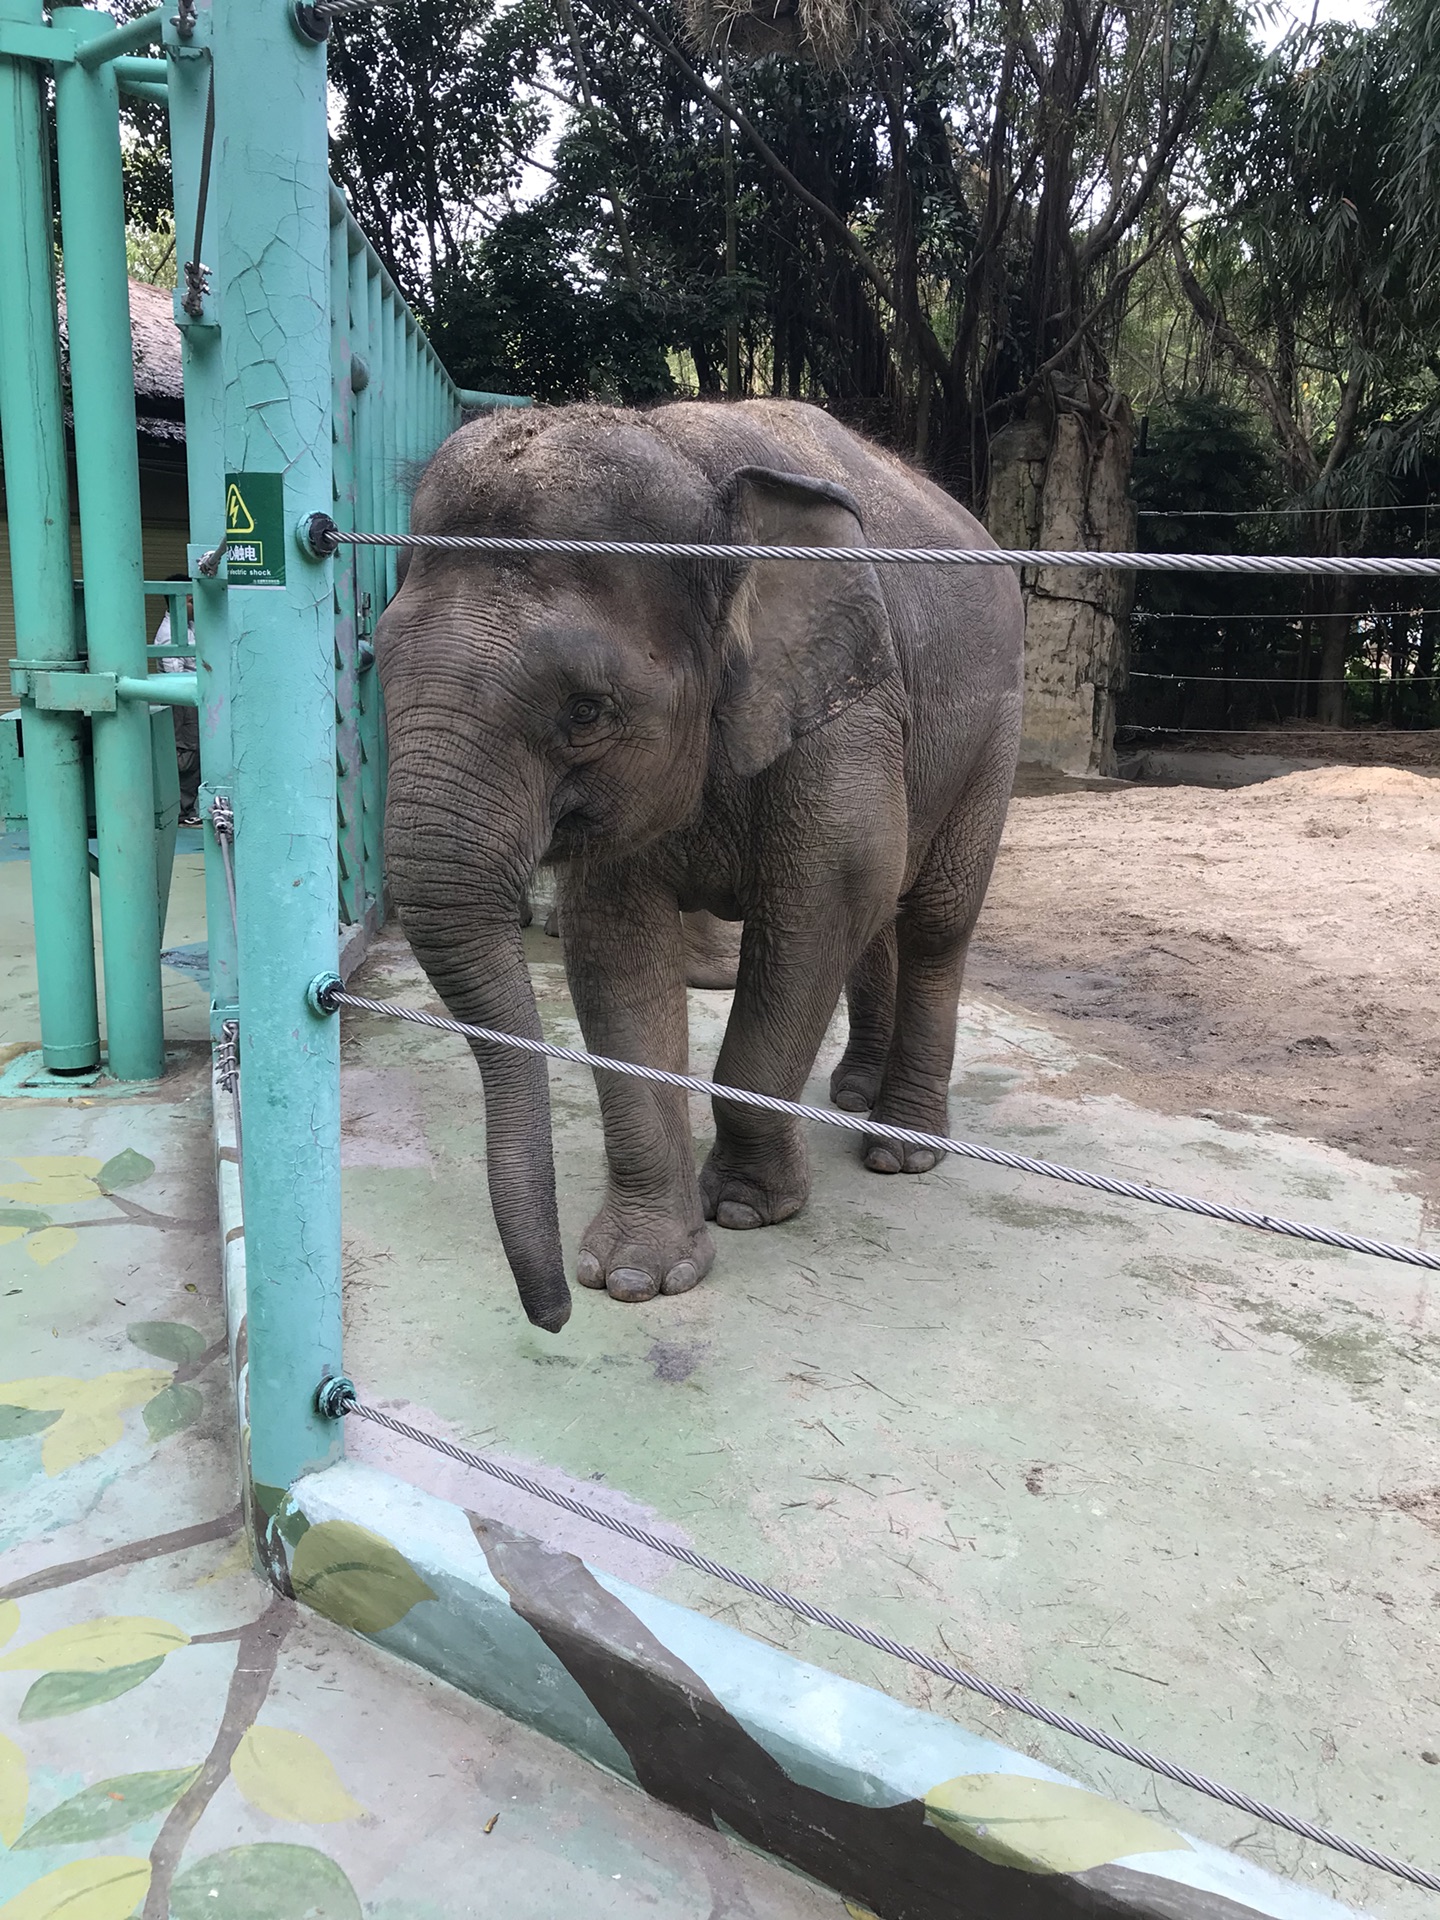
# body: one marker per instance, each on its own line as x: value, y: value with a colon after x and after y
x: 26, y: 1218
x: 17, y: 1423
x: 266, y: 1881
x: 108, y: 1807
x: 168, y: 1340
x: 57, y: 1693
x: 172, y: 1409
x: 1042, y: 1826
x: 125, y: 1169
x: 355, y: 1577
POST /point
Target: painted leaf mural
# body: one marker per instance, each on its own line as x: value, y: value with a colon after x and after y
x: 54, y: 1180
x: 17, y: 1423
x: 124, y: 1169
x: 23, y: 1219
x: 108, y: 1808
x: 286, y: 1775
x: 91, y: 1411
x: 55, y: 1694
x: 109, y: 1887
x: 168, y: 1340
x: 267, y: 1881
x: 355, y: 1577
x: 95, y: 1646
x: 172, y: 1410
x: 14, y: 1791
x: 1043, y: 1826
x: 50, y: 1243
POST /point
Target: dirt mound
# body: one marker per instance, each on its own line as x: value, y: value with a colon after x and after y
x: 1269, y: 949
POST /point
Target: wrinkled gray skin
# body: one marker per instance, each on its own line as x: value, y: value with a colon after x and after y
x: 821, y: 750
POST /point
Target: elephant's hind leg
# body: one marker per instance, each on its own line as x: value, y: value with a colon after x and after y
x: 870, y: 1004
x: 932, y: 934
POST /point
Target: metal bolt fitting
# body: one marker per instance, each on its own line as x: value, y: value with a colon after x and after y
x: 320, y: 994
x: 336, y: 1397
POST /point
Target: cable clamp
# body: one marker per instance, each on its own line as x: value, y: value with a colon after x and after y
x: 322, y: 991
x: 335, y: 1398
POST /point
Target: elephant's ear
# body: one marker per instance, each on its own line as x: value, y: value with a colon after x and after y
x: 804, y: 638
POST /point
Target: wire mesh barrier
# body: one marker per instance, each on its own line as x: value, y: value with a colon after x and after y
x: 337, y: 1397
x: 328, y: 994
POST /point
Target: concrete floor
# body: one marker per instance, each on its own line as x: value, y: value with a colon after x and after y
x: 336, y: 1781
x: 1181, y: 1479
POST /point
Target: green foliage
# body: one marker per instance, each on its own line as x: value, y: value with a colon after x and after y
x: 54, y: 1694
x: 264, y: 1881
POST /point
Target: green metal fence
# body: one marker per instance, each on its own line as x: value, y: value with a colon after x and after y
x: 309, y: 387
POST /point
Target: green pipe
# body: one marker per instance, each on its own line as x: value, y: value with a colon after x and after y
x: 130, y: 73
x: 102, y: 386
x: 273, y: 283
x: 469, y: 398
x: 160, y: 689
x: 146, y: 90
x: 347, y: 691
x: 205, y: 480
x: 105, y: 41
x: 38, y: 510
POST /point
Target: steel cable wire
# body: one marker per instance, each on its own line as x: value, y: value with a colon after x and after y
x: 325, y: 538
x: 338, y: 1397
x: 336, y: 996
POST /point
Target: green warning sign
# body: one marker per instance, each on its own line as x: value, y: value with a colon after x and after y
x: 255, y: 529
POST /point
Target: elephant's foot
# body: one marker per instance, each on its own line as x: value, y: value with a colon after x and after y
x: 854, y: 1086
x: 898, y: 1156
x: 758, y: 1187
x: 634, y: 1260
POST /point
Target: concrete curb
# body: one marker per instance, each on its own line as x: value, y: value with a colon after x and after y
x: 906, y: 1815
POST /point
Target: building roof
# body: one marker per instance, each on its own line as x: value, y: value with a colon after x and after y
x: 155, y: 347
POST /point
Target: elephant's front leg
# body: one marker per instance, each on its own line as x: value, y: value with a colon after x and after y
x: 625, y: 959
x: 758, y: 1171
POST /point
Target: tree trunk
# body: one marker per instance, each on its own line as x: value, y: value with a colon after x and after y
x: 1060, y: 477
x: 1334, y: 625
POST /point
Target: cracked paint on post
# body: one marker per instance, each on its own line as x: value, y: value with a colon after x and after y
x: 274, y: 272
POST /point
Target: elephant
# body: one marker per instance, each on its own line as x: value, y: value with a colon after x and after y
x: 820, y: 750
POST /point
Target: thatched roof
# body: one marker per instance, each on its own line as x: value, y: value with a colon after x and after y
x: 155, y: 349
x: 824, y: 32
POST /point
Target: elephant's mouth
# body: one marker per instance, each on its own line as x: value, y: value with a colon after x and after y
x: 570, y: 835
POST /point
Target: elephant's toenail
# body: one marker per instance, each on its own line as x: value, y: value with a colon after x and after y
x: 851, y: 1100
x: 882, y: 1160
x: 589, y: 1272
x: 629, y: 1283
x: 681, y: 1277
x: 735, y: 1215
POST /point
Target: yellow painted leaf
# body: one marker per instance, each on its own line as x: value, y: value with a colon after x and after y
x: 355, y: 1577
x: 7, y: 1234
x: 285, y: 1774
x: 59, y: 1166
x: 56, y: 1180
x: 92, y: 1420
x: 50, y: 1243
x: 14, y: 1791
x: 9, y: 1620
x: 44, y: 1393
x: 115, y: 1640
x: 108, y: 1887
x: 1042, y: 1826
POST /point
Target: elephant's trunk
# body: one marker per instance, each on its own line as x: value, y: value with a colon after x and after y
x: 460, y: 904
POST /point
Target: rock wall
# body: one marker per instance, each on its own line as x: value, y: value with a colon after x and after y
x: 1060, y: 477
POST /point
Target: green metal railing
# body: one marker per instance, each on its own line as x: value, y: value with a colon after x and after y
x: 309, y: 386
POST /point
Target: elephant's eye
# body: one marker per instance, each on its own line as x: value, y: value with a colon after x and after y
x: 585, y: 710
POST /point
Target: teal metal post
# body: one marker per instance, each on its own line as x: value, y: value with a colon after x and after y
x: 273, y: 284
x: 189, y: 88
x: 38, y: 510
x: 102, y: 387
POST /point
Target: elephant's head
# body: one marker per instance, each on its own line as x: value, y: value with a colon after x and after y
x: 547, y: 707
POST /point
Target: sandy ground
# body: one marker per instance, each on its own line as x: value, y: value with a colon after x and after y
x: 1270, y: 950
